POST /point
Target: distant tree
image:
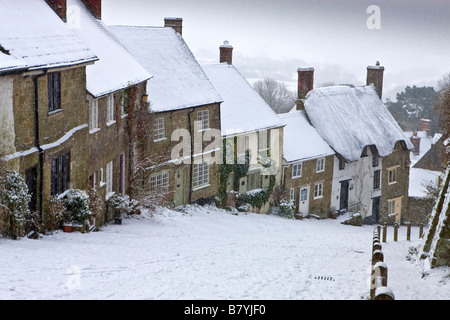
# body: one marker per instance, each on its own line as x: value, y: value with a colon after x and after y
x: 444, y: 82
x: 413, y: 104
x: 276, y: 94
x: 442, y: 107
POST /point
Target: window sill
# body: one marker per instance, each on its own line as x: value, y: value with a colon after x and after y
x: 296, y: 177
x: 320, y: 171
x: 317, y: 198
x: 101, y: 184
x: 160, y: 139
x: 124, y: 116
x: 94, y: 130
x: 201, y: 187
x: 55, y: 112
x: 391, y: 183
x: 110, y: 123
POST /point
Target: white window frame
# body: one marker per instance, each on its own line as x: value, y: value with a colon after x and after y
x: 110, y: 109
x: 392, y: 175
x: 303, y: 195
x: 292, y: 195
x: 242, y: 147
x: 320, y: 165
x: 102, y: 178
x: 159, y: 181
x: 122, y: 105
x: 318, y: 190
x: 203, y: 120
x: 109, y: 178
x: 297, y: 170
x: 159, y: 129
x: 93, y: 116
x: 201, y: 174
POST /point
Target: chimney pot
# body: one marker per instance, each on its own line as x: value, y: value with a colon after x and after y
x: 226, y: 52
x: 375, y: 77
x: 175, y: 23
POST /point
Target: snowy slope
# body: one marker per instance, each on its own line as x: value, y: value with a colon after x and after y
x: 207, y: 253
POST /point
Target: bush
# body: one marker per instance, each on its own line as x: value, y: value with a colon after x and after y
x: 53, y: 218
x: 77, y: 206
x: 287, y: 209
x: 14, y: 199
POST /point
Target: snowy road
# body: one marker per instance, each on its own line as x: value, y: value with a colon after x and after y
x: 210, y: 254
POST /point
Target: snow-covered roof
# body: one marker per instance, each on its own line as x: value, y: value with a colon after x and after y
x: 35, y: 37
x: 350, y: 118
x: 243, y: 109
x: 178, y: 80
x: 116, y: 69
x: 301, y: 140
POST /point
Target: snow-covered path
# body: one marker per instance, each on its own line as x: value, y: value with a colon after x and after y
x: 210, y: 254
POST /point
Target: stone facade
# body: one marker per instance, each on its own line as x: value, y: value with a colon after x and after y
x: 318, y: 199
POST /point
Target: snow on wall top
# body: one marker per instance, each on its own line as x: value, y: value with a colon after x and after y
x: 36, y: 37
x: 116, y: 69
x: 350, y: 118
x: 178, y: 80
x: 301, y: 140
x: 243, y: 109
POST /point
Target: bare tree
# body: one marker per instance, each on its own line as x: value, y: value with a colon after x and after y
x: 444, y: 82
x: 276, y: 94
x: 442, y: 106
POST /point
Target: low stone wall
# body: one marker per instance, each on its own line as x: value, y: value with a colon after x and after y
x: 419, y: 210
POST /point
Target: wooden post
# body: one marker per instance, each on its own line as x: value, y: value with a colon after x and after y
x: 384, y: 232
x: 395, y: 231
x: 408, y: 232
x: 421, y: 231
x: 379, y: 230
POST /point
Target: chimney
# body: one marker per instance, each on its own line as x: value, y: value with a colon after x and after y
x: 375, y: 77
x: 60, y: 7
x: 425, y: 126
x: 226, y: 52
x: 175, y: 23
x: 305, y: 81
x: 415, y: 140
x: 95, y: 7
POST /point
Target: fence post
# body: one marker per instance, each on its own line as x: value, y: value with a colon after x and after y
x: 421, y: 231
x: 408, y: 231
x: 384, y: 232
x: 395, y: 231
x: 379, y: 230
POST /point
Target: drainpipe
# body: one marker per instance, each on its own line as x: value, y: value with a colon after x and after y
x: 192, y: 155
x: 38, y: 144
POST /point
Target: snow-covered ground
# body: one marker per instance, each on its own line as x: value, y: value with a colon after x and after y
x: 206, y: 253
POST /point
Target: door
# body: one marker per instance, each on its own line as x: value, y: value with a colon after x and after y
x: 343, y: 204
x: 375, y: 209
x: 395, y: 208
x: 31, y: 181
x: 180, y: 180
x: 303, y: 202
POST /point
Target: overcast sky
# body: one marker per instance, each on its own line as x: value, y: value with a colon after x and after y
x: 273, y: 38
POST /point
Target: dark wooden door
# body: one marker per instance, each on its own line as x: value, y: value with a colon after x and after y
x: 344, y: 195
x: 31, y: 181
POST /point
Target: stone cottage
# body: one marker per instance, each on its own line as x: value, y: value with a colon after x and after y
x: 184, y: 129
x: 115, y: 95
x: 44, y: 119
x: 248, y: 123
x: 371, y: 166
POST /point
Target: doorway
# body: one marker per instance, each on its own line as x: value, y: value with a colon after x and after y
x: 303, y: 202
x: 343, y: 203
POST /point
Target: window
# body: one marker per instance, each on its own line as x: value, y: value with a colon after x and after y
x: 318, y: 190
x: 110, y: 109
x: 159, y: 131
x: 93, y: 115
x: 60, y: 174
x: 320, y: 167
x: 253, y: 181
x: 303, y: 194
x: 292, y: 195
x: 54, y: 91
x: 109, y: 178
x: 102, y: 178
x: 203, y: 119
x: 263, y: 140
x: 392, y: 175
x: 159, y: 181
x: 377, y: 179
x: 242, y: 147
x: 297, y: 170
x: 375, y: 161
x: 201, y: 174
x: 391, y: 206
